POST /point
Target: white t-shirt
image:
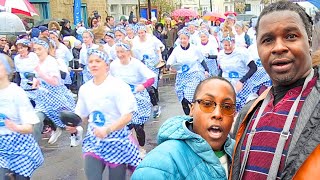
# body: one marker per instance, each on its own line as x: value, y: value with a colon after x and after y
x: 134, y: 73
x: 50, y: 67
x: 191, y: 57
x: 15, y: 104
x: 240, y: 40
x: 149, y: 47
x: 210, y: 48
x: 235, y: 65
x: 83, y: 57
x: 253, y: 55
x: 27, y: 64
x: 109, y: 100
x: 62, y: 52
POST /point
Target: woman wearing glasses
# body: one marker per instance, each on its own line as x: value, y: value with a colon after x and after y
x: 199, y: 146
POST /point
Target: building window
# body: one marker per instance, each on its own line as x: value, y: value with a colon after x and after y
x: 226, y: 8
x: 43, y: 8
x: 113, y: 8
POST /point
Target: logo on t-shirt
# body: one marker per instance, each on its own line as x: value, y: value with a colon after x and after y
x: 98, y: 118
x: 185, y: 68
x: 233, y: 74
x: 2, y: 119
x: 258, y: 62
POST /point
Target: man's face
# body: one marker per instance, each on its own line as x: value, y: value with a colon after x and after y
x: 111, y: 21
x: 283, y: 47
x: 45, y: 33
x: 3, y: 41
x: 213, y: 126
x: 191, y: 29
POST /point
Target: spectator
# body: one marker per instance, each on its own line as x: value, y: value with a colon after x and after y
x: 4, y: 46
x: 196, y: 146
x: 109, y: 23
x: 66, y: 29
x: 278, y: 136
x: 44, y: 32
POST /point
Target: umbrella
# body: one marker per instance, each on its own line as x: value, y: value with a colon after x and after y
x: 184, y: 13
x: 19, y: 7
x: 230, y: 12
x: 316, y: 3
x: 13, y: 24
x: 45, y: 22
x: 213, y: 16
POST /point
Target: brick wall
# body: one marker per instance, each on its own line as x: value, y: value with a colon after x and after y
x: 64, y: 8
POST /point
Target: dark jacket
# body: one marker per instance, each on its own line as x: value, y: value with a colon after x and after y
x: 305, y: 138
x: 160, y: 36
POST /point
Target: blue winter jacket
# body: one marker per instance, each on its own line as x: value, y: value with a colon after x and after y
x: 182, y: 154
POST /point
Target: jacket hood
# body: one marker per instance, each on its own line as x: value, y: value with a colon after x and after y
x: 176, y: 129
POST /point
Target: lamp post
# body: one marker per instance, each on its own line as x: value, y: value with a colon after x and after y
x: 138, y: 13
x: 149, y: 9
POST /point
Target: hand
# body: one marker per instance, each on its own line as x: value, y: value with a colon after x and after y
x: 71, y: 129
x: 35, y: 83
x: 12, y: 126
x: 239, y: 86
x: 206, y: 74
x: 173, y: 70
x: 39, y: 71
x: 101, y: 132
x: 140, y: 88
x: 6, y: 48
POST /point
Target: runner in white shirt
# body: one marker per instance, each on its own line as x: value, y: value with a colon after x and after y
x: 62, y: 52
x: 185, y: 59
x: 146, y: 48
x: 25, y: 62
x: 235, y: 63
x: 209, y: 50
x: 108, y: 105
x: 139, y: 77
x: 53, y: 96
x: 88, y: 38
x: 255, y: 85
x: 20, y: 154
x: 110, y: 42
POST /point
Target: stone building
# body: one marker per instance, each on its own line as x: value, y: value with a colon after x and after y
x: 64, y: 8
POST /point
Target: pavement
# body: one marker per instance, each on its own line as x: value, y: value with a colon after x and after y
x: 63, y: 162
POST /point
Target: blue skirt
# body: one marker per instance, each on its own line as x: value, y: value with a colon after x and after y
x: 142, y: 115
x: 20, y: 153
x: 212, y: 66
x: 116, y: 148
x: 86, y: 75
x: 53, y: 100
x: 186, y: 84
x: 251, y: 87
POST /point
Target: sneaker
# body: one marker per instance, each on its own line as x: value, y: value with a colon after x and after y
x: 76, y: 139
x: 55, y: 135
x: 156, y: 111
x: 142, y: 153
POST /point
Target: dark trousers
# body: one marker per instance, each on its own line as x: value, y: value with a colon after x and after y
x: 6, y: 174
x: 141, y: 135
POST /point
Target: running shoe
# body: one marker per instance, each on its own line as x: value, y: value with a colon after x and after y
x: 55, y: 135
x: 156, y: 111
x: 142, y: 153
x: 76, y: 139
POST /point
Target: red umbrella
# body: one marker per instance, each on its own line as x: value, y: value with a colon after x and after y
x: 230, y: 12
x: 213, y: 16
x: 184, y: 13
x: 19, y: 7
